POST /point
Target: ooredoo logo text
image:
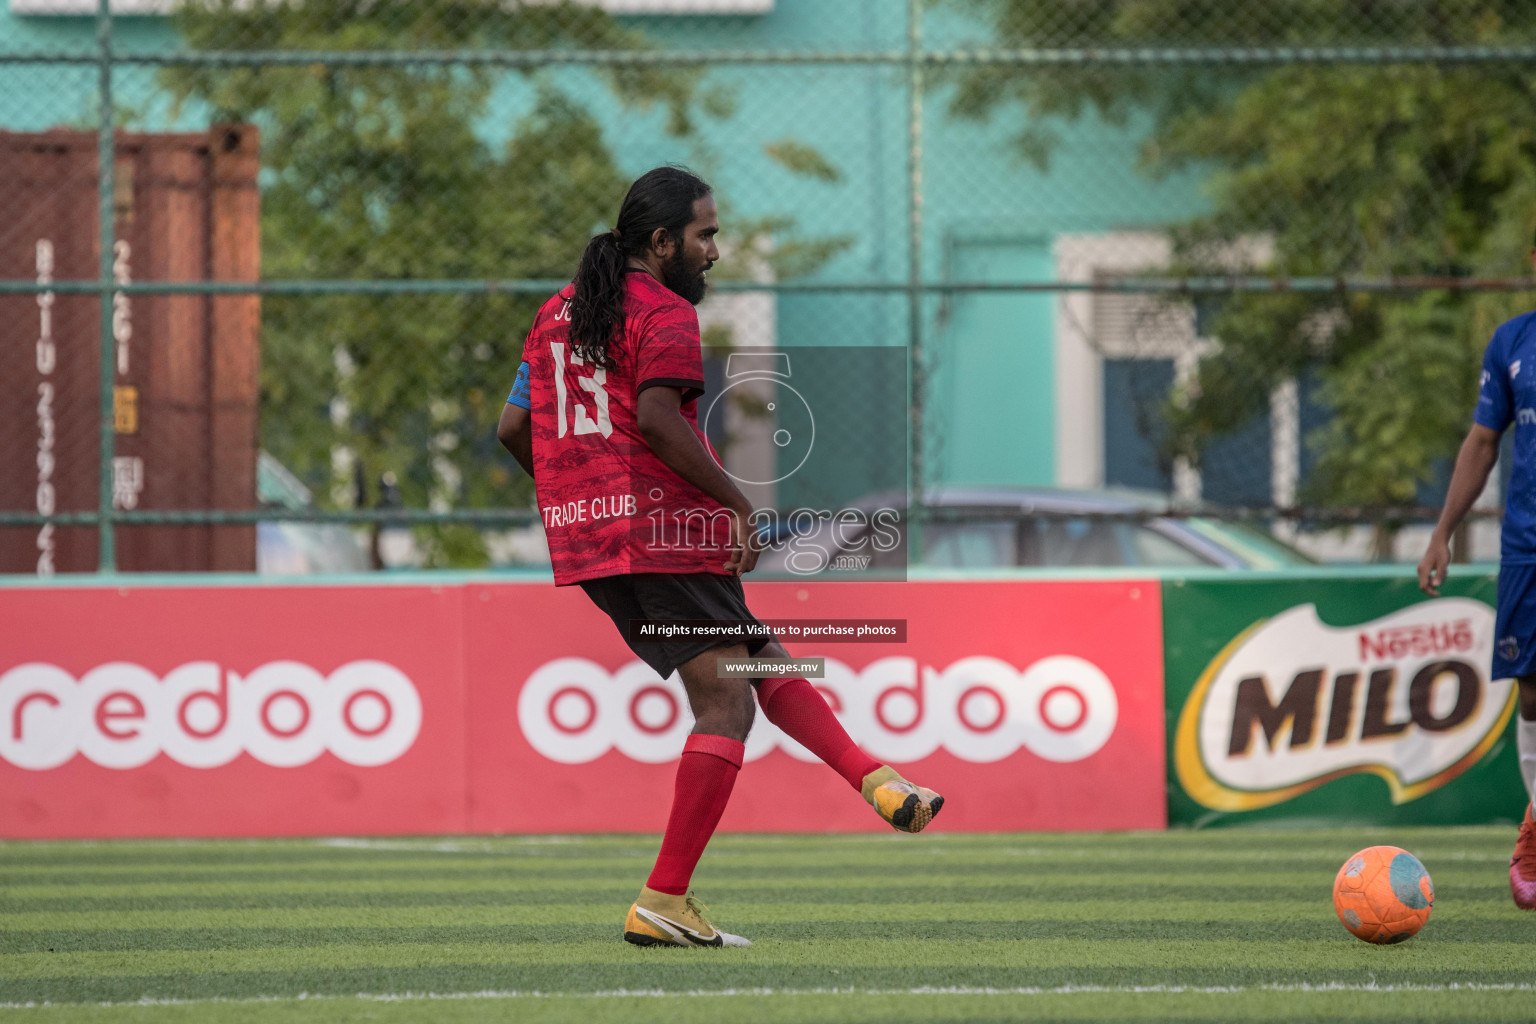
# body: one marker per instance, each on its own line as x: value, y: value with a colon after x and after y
x: 202, y: 715
x: 979, y: 709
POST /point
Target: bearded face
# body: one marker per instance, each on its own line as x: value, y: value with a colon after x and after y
x: 686, y: 276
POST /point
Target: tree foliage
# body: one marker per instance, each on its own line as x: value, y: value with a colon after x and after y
x: 399, y: 172
x: 1369, y: 169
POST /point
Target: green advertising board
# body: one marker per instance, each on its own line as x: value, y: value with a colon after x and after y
x: 1336, y: 697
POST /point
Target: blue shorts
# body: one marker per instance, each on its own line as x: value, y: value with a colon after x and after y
x: 1514, y: 634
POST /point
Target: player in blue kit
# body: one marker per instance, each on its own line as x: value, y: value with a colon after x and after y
x: 1507, y: 395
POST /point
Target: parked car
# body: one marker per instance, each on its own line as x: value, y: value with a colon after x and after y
x: 996, y: 527
x: 296, y: 548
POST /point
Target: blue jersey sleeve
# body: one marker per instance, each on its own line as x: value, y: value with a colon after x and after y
x: 520, y: 396
x: 1495, y: 402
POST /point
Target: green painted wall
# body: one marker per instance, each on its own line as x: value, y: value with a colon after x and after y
x: 987, y: 214
x: 993, y: 416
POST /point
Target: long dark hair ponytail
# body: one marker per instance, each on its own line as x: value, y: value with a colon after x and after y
x: 662, y: 198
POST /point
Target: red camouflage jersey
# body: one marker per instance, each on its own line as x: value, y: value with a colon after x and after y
x: 610, y: 506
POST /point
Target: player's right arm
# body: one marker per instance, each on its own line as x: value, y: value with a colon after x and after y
x: 669, y: 372
x: 1479, y: 451
x: 515, y: 428
x: 515, y: 432
x: 662, y: 426
x: 1474, y: 462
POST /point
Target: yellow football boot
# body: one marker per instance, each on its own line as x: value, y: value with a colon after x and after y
x: 907, y: 807
x: 661, y: 919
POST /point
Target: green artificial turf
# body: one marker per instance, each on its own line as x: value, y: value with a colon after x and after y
x: 1226, y: 925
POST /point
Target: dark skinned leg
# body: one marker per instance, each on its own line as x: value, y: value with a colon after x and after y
x: 721, y: 707
x: 795, y: 707
x: 706, y: 773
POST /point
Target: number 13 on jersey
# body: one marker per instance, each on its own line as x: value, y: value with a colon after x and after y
x: 581, y: 421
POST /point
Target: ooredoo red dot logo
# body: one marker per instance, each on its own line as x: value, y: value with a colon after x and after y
x: 284, y: 713
x: 980, y: 709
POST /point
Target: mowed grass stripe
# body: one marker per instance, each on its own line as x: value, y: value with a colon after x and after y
x: 555, y: 868
x: 1195, y: 842
x: 680, y: 974
x: 868, y: 876
x: 1497, y: 907
x: 721, y: 880
x: 1421, y: 1003
x: 731, y: 896
x: 804, y: 868
x: 343, y: 861
x: 1316, y: 955
x: 1247, y: 843
x: 137, y: 855
x: 981, y: 911
x: 854, y: 875
x: 563, y: 877
x: 949, y: 860
x: 1307, y: 927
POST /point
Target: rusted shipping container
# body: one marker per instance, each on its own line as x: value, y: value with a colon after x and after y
x: 186, y: 366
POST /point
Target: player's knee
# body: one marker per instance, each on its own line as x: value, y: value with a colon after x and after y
x: 773, y: 650
x: 726, y: 710
x: 740, y: 709
x: 747, y: 711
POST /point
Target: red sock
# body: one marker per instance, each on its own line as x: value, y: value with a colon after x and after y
x: 705, y: 777
x: 795, y: 706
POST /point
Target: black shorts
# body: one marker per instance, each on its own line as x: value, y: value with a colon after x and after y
x: 666, y: 595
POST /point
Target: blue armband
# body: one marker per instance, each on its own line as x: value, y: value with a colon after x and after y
x: 520, y: 395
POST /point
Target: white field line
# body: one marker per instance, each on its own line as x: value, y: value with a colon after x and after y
x: 725, y: 993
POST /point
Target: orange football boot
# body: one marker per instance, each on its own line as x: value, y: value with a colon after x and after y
x: 661, y: 919
x: 1522, y: 866
x: 906, y: 807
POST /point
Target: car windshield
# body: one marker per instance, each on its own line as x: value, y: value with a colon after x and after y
x: 1053, y: 542
x: 1257, y: 547
x: 987, y: 537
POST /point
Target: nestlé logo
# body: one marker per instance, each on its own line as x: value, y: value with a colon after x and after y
x: 1292, y: 703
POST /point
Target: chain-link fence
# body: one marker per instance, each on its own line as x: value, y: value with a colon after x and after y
x: 1240, y: 258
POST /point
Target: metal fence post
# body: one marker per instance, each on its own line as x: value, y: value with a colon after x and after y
x: 106, y: 550
x: 916, y: 483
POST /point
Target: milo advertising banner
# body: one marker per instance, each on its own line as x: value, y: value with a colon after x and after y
x: 1348, y: 697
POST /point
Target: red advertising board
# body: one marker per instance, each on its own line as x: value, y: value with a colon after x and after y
x: 516, y: 707
x: 1030, y: 705
x: 212, y: 711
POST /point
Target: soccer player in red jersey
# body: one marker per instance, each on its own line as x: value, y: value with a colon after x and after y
x: 640, y: 515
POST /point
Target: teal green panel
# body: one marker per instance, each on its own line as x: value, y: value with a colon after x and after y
x: 991, y: 411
